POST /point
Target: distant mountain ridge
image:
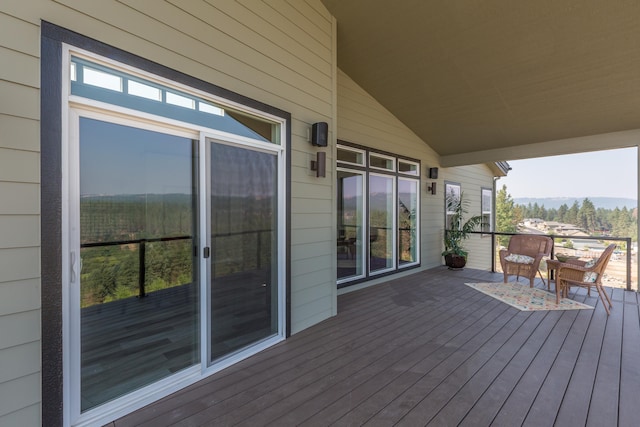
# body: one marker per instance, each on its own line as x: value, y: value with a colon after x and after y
x: 598, y: 202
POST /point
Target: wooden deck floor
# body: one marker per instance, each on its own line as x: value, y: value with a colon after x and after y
x: 428, y: 350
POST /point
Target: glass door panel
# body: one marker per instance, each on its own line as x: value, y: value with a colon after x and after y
x: 244, y: 238
x: 350, y: 237
x: 407, y: 221
x: 138, y: 281
x: 381, y: 223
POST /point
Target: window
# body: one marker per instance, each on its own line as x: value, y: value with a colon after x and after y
x: 350, y: 155
x: 409, y: 168
x: 378, y: 213
x: 380, y: 161
x: 451, y: 196
x: 487, y: 210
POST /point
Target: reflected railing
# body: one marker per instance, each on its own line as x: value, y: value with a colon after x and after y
x: 142, y: 254
x: 254, y: 253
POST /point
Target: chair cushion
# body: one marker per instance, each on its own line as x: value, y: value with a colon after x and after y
x: 519, y: 259
x: 590, y: 276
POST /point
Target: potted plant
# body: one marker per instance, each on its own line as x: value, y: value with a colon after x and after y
x: 455, y: 256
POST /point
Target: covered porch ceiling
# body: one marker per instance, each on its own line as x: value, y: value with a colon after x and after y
x: 495, y: 80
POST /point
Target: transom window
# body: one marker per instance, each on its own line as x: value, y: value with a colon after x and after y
x: 93, y: 80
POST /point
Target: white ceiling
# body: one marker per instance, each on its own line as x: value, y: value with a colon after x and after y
x: 501, y: 79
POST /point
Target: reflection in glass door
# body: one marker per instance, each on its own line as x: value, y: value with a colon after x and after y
x: 137, y: 303
x: 244, y: 240
x: 408, y: 215
x: 350, y: 237
x: 381, y: 222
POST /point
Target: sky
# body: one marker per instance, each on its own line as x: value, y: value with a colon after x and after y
x: 610, y: 173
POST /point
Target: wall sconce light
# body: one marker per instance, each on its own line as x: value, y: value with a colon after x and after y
x: 320, y: 164
x: 432, y: 188
x: 319, y: 134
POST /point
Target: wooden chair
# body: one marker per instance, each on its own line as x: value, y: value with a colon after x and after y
x: 523, y: 256
x: 585, y: 276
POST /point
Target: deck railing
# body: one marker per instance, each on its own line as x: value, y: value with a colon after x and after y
x: 626, y: 240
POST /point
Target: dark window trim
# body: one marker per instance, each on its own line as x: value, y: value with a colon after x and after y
x: 52, y: 38
x: 396, y: 174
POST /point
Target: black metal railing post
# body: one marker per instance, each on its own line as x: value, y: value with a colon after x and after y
x: 142, y: 268
x: 628, y: 242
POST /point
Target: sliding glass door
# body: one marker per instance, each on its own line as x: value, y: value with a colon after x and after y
x: 173, y: 240
x: 138, y: 293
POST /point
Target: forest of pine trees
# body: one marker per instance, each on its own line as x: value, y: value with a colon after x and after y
x: 594, y: 221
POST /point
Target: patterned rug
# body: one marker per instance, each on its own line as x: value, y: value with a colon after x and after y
x: 525, y: 298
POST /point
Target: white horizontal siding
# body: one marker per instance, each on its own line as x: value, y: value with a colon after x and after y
x: 19, y: 231
x: 18, y: 296
x: 19, y: 223
x: 19, y: 198
x: 28, y: 416
x: 18, y: 394
x: 25, y: 356
x: 18, y: 133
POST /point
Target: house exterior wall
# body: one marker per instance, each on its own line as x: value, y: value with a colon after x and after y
x: 472, y: 179
x: 279, y: 54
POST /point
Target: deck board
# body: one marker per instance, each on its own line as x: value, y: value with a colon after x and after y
x: 428, y: 350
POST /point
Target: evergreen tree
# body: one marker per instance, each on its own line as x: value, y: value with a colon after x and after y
x: 506, y: 221
x: 572, y: 214
x: 562, y: 213
x: 587, y: 216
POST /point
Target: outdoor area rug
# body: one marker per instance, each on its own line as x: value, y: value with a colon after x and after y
x: 525, y: 298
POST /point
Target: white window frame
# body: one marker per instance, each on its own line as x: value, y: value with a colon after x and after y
x: 483, y: 209
x: 415, y: 173
x: 365, y: 222
x: 391, y: 159
x: 448, y: 186
x: 417, y: 261
x: 394, y: 225
x: 362, y: 153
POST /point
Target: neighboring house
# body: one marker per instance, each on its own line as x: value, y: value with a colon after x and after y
x: 160, y: 218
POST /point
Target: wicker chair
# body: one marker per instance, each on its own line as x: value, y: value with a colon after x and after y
x: 585, y: 276
x: 523, y: 256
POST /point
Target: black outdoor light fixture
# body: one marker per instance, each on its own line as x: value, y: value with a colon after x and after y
x: 320, y: 164
x: 319, y: 138
x: 319, y: 134
x: 432, y: 188
x: 433, y: 174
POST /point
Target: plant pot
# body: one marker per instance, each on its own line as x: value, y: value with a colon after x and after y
x: 455, y: 262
